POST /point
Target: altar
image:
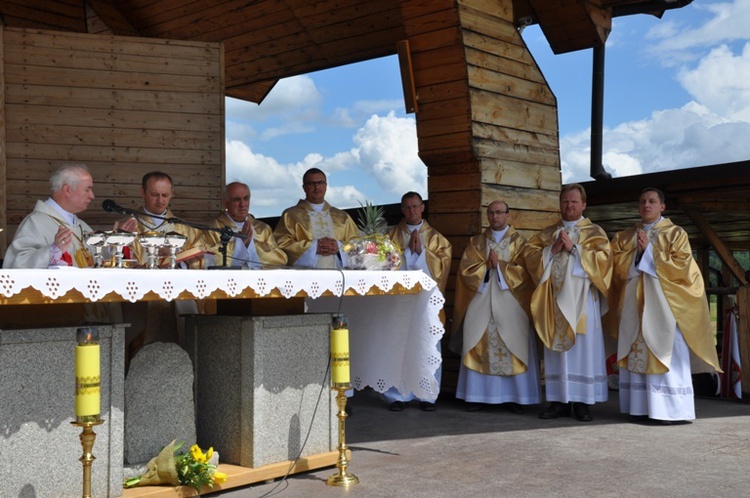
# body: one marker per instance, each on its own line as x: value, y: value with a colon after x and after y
x: 394, y: 334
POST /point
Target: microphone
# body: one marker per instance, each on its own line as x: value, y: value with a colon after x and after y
x: 112, y: 207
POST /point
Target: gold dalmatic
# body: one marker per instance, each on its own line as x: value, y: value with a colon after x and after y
x: 649, y: 309
x: 496, y: 328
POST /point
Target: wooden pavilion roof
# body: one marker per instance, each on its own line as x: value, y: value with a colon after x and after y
x: 266, y: 40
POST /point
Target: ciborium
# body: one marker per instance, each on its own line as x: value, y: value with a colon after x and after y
x: 174, y: 241
x: 97, y: 239
x: 119, y: 239
x: 152, y: 241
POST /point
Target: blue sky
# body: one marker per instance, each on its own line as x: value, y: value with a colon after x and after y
x: 677, y: 95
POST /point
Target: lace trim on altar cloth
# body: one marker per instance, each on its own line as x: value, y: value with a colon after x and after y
x: 133, y: 284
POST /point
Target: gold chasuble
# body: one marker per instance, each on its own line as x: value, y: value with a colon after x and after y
x: 438, y: 256
x: 491, y: 328
x: 269, y: 253
x: 558, y: 304
x: 149, y: 224
x: 646, y: 309
x: 300, y: 225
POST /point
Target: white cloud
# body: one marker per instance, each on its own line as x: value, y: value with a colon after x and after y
x: 721, y: 81
x: 712, y: 128
x: 387, y: 149
x: 727, y: 22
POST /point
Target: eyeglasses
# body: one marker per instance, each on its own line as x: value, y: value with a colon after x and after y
x: 498, y: 212
x: 314, y: 184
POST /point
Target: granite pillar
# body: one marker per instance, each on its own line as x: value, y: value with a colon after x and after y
x: 262, y: 383
x: 39, y: 448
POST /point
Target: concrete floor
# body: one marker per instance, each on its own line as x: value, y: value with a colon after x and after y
x: 454, y: 453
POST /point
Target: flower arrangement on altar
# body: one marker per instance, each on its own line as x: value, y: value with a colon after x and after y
x: 373, y: 250
x: 194, y: 468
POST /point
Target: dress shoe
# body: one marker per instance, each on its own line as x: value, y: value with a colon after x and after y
x: 426, y: 406
x: 556, y: 410
x: 397, y: 406
x: 515, y: 408
x: 473, y: 407
x: 582, y: 413
x: 675, y: 422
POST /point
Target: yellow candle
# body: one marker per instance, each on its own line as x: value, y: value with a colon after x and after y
x: 340, y: 357
x: 88, y: 404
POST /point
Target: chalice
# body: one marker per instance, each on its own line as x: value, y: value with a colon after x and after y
x: 152, y: 241
x: 174, y: 241
x: 97, y: 239
x: 119, y: 239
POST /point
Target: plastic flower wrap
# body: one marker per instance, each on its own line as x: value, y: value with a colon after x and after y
x: 373, y: 250
x: 195, y: 469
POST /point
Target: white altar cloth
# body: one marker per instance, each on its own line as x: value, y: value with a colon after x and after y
x: 393, y: 337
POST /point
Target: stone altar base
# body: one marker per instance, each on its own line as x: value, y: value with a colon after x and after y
x: 261, y: 385
x: 39, y: 448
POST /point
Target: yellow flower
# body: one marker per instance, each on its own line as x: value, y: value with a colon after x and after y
x: 197, y: 454
x: 209, y: 453
x: 219, y: 477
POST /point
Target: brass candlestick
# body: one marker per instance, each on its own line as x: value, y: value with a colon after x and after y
x: 343, y: 478
x: 88, y: 436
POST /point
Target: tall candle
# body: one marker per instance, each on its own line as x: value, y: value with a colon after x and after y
x: 340, y: 352
x: 88, y: 401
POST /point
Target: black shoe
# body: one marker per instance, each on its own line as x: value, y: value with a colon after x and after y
x: 473, y: 407
x: 426, y: 406
x: 515, y: 408
x: 397, y: 406
x: 556, y: 410
x: 582, y: 412
x: 674, y: 422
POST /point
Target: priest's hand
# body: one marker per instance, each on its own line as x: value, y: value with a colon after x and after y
x: 642, y: 241
x: 415, y: 243
x: 63, y: 238
x: 559, y: 244
x: 493, y: 259
x: 128, y: 225
x: 247, y: 230
x: 327, y: 246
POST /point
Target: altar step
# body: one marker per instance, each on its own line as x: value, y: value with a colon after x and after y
x: 239, y: 476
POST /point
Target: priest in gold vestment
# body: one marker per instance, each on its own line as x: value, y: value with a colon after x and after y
x: 499, y: 360
x: 258, y: 249
x: 155, y: 321
x: 425, y: 249
x: 661, y: 316
x: 157, y: 190
x: 571, y: 264
x: 313, y: 232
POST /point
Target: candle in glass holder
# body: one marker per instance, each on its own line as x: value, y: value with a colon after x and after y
x: 88, y: 401
x: 340, y: 351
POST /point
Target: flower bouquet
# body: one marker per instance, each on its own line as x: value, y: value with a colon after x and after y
x: 195, y: 469
x: 373, y: 250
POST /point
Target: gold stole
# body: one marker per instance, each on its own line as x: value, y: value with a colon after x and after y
x: 322, y: 226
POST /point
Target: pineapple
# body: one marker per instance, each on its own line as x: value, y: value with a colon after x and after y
x: 371, y: 220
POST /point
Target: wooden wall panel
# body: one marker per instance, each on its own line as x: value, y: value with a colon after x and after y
x: 3, y: 169
x: 124, y: 106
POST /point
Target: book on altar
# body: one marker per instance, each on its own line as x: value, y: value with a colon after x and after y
x: 188, y: 255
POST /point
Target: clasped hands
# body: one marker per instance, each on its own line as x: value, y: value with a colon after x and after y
x: 642, y: 241
x: 563, y: 242
x: 327, y: 246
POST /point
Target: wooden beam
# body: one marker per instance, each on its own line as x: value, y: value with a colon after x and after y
x: 721, y: 249
x: 3, y: 151
x: 743, y: 332
x: 407, y: 76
